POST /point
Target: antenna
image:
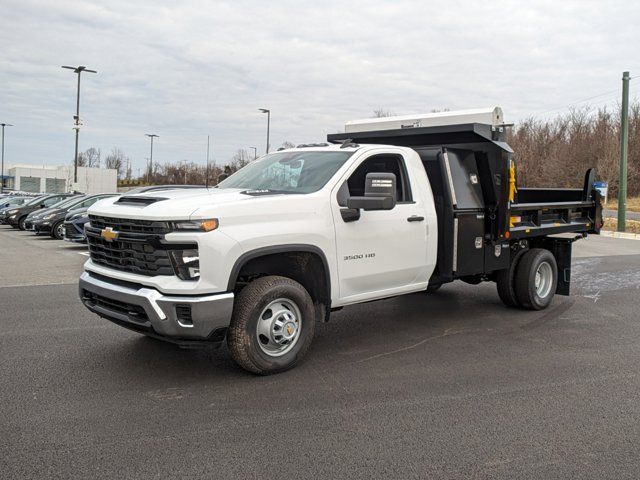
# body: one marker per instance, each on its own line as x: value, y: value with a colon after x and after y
x: 206, y: 177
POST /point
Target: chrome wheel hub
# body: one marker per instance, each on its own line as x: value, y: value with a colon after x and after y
x: 544, y: 279
x: 278, y: 328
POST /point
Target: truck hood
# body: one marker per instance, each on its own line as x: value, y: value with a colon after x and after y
x: 179, y: 204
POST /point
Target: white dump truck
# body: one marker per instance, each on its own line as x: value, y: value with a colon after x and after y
x: 392, y: 206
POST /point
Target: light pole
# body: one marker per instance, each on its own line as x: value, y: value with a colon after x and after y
x: 76, y: 117
x: 624, y: 152
x: 255, y: 152
x: 151, y: 136
x: 2, y: 173
x: 268, y: 112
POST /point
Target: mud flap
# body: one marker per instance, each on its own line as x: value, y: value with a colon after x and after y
x: 561, y: 249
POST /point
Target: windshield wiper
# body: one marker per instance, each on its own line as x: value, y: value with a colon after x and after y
x: 266, y: 191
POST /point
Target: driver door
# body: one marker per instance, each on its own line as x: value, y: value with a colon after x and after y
x: 383, y: 252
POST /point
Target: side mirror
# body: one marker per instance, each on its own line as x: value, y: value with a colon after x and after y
x: 379, y: 193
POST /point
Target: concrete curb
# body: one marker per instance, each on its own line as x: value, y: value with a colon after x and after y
x: 628, y: 236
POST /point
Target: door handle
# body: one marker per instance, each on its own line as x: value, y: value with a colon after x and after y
x: 415, y: 218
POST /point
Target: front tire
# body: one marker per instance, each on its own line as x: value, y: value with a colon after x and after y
x: 272, y: 326
x: 21, y: 223
x: 57, y: 230
x: 536, y: 279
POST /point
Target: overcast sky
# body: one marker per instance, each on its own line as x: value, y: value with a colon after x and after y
x: 187, y: 69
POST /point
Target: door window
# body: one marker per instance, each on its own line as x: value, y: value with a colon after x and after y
x: 386, y: 163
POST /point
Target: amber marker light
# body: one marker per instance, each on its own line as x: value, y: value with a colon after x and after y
x: 208, y: 225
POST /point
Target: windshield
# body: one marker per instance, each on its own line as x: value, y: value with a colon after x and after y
x: 288, y: 172
x: 72, y: 201
x: 64, y: 202
x: 34, y: 201
x: 13, y: 201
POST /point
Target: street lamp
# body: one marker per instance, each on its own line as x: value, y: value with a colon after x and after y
x: 76, y: 126
x: 151, y: 136
x: 2, y: 173
x: 268, y: 112
x: 255, y: 152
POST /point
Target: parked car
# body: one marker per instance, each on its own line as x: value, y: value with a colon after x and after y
x: 17, y: 216
x: 37, y: 215
x: 73, y: 226
x: 52, y: 222
x: 11, y: 202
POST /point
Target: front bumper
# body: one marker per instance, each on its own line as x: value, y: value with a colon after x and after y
x: 38, y: 226
x: 184, y: 320
x: 74, y: 232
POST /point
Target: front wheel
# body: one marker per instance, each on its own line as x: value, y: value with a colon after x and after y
x: 21, y: 223
x: 57, y: 230
x: 536, y: 279
x: 272, y: 325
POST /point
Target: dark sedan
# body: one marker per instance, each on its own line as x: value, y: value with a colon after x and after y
x: 37, y: 215
x: 53, y: 221
x: 17, y: 216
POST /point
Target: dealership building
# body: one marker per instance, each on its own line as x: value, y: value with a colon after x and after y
x: 59, y: 179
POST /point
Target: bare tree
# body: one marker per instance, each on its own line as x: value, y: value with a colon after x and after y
x: 239, y: 160
x: 287, y: 144
x: 89, y: 158
x: 557, y: 151
x: 116, y: 160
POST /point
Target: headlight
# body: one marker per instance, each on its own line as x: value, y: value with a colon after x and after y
x: 186, y: 263
x: 76, y: 216
x: 199, y: 225
x: 47, y: 217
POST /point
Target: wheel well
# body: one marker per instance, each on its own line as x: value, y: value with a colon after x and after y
x: 305, y: 267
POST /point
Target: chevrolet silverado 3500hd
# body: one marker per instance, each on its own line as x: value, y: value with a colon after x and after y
x: 392, y: 206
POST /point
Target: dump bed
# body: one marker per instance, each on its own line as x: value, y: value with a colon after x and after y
x: 481, y: 212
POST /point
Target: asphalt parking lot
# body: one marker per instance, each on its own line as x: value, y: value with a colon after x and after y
x: 448, y: 385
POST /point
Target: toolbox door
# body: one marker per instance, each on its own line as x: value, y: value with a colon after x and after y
x: 468, y: 251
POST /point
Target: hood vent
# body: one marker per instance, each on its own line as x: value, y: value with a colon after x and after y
x: 141, y: 201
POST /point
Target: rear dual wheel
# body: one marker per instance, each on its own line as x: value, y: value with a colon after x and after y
x: 531, y: 280
x: 505, y: 281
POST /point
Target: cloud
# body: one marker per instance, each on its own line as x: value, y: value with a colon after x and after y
x: 184, y: 70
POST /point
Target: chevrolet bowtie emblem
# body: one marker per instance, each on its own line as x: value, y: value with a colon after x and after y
x: 109, y: 234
